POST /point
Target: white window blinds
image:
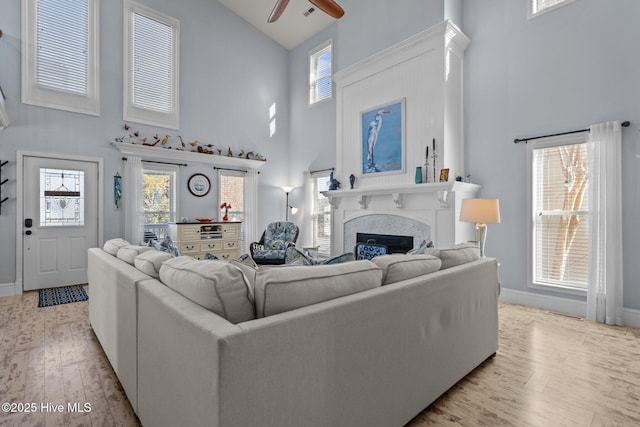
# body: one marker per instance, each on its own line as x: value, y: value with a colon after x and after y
x: 561, y: 216
x: 320, y: 74
x: 231, y: 191
x: 151, y: 64
x: 537, y: 7
x: 61, y: 57
x: 321, y: 214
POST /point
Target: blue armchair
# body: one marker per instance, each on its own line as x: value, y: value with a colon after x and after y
x: 273, y: 244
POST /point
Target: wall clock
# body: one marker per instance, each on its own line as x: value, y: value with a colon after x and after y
x: 199, y: 185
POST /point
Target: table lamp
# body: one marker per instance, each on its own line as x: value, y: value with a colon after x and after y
x: 482, y: 212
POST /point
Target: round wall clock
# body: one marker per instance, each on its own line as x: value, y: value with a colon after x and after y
x: 199, y: 185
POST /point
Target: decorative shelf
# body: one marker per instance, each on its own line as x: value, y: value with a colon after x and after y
x: 168, y: 154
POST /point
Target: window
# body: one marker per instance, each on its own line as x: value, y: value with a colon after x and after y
x: 60, y: 67
x: 160, y: 199
x: 320, y: 214
x: 538, y: 7
x: 61, y: 197
x: 320, y: 73
x: 560, y: 210
x: 151, y: 67
x: 232, y: 192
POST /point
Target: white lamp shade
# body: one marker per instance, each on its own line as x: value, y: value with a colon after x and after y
x: 480, y: 210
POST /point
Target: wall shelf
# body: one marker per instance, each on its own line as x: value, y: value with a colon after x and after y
x: 167, y: 154
x: 4, y: 181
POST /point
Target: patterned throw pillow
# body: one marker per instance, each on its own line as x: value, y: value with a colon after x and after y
x: 294, y: 256
x: 165, y: 245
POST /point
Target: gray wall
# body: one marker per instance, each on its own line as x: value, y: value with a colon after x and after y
x: 561, y: 71
x: 224, y: 101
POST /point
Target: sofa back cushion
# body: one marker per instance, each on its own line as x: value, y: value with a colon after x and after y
x: 284, y: 288
x: 402, y: 267
x: 149, y: 262
x: 111, y: 246
x: 129, y: 253
x: 457, y: 254
x: 216, y: 285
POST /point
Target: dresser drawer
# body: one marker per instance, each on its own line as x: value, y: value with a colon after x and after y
x: 189, y: 247
x: 231, y: 231
x: 231, y: 245
x: 211, y: 246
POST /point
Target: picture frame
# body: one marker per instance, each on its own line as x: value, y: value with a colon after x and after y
x: 382, y: 141
x: 199, y: 185
x: 444, y: 175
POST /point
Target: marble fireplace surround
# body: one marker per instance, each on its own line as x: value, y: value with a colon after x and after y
x: 424, y: 211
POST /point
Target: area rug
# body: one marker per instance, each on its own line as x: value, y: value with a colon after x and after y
x: 62, y: 295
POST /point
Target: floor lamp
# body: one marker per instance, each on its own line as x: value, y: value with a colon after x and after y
x: 288, y: 208
x: 482, y: 212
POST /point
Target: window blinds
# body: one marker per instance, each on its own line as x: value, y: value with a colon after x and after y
x: 62, y: 45
x: 321, y: 75
x: 321, y: 215
x: 561, y: 217
x: 152, y: 64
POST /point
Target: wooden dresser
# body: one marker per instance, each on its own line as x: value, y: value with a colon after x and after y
x: 196, y: 238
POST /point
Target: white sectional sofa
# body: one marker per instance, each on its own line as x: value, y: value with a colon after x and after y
x: 375, y: 356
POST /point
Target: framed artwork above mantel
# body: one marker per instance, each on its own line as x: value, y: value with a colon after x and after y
x: 383, y: 145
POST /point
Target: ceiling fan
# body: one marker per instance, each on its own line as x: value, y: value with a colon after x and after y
x: 329, y: 7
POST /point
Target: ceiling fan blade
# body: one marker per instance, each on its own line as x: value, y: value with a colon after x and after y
x: 329, y: 7
x: 277, y: 10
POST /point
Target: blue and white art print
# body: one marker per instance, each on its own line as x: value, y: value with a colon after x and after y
x: 383, y: 144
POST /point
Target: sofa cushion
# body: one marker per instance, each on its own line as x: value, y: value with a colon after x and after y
x: 401, y: 267
x: 129, y: 253
x: 216, y: 285
x: 149, y: 262
x: 248, y: 266
x: 285, y: 288
x: 458, y: 254
x: 111, y: 246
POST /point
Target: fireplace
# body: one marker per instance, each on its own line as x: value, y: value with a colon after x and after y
x: 395, y: 244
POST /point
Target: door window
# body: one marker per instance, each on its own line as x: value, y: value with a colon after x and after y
x: 61, y: 197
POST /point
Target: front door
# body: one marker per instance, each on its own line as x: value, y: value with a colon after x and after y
x: 60, y: 221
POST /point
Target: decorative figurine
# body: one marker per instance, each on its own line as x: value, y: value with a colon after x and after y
x: 352, y: 180
x: 334, y: 183
x: 468, y: 179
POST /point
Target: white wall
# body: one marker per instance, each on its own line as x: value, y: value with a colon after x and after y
x: 223, y: 100
x: 561, y: 71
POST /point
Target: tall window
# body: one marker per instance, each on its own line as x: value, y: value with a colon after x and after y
x: 151, y: 67
x: 231, y: 190
x: 60, y: 65
x: 560, y: 209
x: 320, y: 66
x: 320, y: 213
x: 538, y: 7
x: 160, y: 198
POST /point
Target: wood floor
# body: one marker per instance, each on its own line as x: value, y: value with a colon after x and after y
x: 550, y: 370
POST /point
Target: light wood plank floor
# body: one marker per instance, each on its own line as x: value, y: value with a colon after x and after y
x: 550, y: 370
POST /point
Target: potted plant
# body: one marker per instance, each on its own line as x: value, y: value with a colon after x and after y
x: 226, y: 206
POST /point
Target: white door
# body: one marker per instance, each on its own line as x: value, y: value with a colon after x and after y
x: 60, y: 221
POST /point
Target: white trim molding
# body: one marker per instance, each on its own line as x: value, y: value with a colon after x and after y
x: 571, y: 307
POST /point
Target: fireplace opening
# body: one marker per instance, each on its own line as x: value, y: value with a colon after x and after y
x: 395, y: 244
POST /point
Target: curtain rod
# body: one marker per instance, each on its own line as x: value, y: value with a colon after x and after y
x: 160, y: 163
x: 322, y: 170
x: 215, y: 168
x: 624, y: 124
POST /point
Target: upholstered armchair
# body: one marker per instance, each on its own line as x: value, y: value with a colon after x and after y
x: 273, y: 244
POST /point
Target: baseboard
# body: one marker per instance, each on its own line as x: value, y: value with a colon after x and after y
x: 631, y: 317
x: 7, y: 289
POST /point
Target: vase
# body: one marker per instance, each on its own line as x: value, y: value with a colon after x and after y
x: 418, y: 178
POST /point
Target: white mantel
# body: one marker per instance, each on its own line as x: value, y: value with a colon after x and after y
x: 392, y: 207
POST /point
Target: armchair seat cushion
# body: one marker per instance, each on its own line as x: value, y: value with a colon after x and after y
x: 269, y: 256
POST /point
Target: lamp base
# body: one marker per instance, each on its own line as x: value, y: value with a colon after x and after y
x: 481, y: 236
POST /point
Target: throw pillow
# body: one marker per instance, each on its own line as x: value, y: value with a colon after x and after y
x: 111, y: 246
x: 396, y: 268
x: 285, y: 288
x: 422, y: 247
x: 165, y: 245
x: 216, y: 285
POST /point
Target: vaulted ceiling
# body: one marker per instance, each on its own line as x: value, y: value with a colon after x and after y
x: 291, y: 29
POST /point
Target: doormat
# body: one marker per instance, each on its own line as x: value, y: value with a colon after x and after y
x: 62, y: 295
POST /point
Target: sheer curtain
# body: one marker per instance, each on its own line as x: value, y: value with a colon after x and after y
x: 251, y: 208
x: 133, y: 201
x: 604, y: 295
